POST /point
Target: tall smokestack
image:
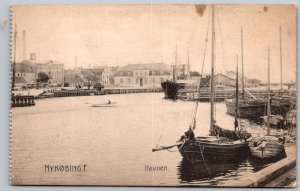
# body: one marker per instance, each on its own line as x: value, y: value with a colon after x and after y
x: 32, y: 56
x: 24, y: 44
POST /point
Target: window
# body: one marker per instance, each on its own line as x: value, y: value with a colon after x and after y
x: 129, y: 81
x: 137, y: 81
x: 161, y: 79
x: 153, y: 80
x: 145, y: 80
x: 121, y: 81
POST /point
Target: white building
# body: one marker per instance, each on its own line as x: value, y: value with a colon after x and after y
x: 142, y: 75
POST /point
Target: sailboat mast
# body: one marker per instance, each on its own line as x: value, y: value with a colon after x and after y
x: 188, y: 66
x: 175, y: 64
x: 269, y: 97
x: 212, y: 94
x: 14, y: 61
x: 242, y: 60
x: 236, y: 93
x: 280, y: 58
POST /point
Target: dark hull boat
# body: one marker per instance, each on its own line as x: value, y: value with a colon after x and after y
x: 213, y: 149
x: 221, y: 144
x: 267, y: 147
x: 171, y: 88
x: 247, y: 108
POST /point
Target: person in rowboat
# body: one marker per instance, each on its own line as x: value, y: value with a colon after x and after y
x: 109, y: 102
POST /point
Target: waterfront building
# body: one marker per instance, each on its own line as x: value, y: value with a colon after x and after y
x: 71, y: 79
x: 30, y: 69
x: 53, y: 69
x: 221, y: 79
x: 102, y: 74
x: 142, y: 75
x: 25, y: 72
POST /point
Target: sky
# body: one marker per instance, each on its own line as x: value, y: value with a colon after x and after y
x: 129, y: 34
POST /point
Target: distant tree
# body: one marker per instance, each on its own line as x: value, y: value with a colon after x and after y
x: 43, y: 77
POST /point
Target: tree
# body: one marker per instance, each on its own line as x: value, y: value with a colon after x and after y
x: 43, y: 77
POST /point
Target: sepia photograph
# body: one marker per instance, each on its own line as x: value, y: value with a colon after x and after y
x: 164, y: 95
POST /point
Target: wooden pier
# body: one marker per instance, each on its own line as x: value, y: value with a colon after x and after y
x: 22, y: 101
x: 222, y: 94
x: 68, y: 93
x: 131, y: 90
x: 82, y: 92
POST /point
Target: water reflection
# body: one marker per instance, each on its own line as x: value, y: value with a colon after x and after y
x: 205, y: 173
x: 211, y: 174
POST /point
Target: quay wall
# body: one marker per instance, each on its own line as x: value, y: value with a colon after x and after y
x: 266, y: 175
x: 22, y: 101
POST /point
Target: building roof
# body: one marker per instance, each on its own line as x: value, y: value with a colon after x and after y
x: 194, y: 74
x: 72, y: 77
x: 154, y: 68
x: 98, y: 71
x: 86, y: 72
x: 151, y: 66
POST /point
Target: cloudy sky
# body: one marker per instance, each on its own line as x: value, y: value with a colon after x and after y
x: 122, y: 34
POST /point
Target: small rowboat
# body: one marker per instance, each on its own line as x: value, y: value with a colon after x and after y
x: 268, y: 147
x: 113, y: 104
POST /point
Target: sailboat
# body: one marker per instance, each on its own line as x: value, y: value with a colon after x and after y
x: 250, y: 106
x: 280, y: 104
x: 267, y: 147
x: 221, y: 144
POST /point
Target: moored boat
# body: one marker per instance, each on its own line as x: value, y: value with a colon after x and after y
x: 171, y: 88
x: 267, y: 147
x: 221, y: 144
x: 247, y: 108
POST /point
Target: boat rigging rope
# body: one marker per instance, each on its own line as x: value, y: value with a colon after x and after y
x: 184, y: 140
x: 193, y: 121
x: 203, y: 159
x: 159, y: 138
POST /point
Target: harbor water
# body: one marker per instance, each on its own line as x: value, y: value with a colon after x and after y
x: 115, y: 143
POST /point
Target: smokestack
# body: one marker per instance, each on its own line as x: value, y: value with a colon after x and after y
x: 24, y: 44
x: 32, y: 56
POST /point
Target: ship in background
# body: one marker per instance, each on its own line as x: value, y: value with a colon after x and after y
x: 171, y: 87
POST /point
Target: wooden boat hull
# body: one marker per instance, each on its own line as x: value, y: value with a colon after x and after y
x: 214, y: 152
x: 246, y: 110
x: 272, y: 150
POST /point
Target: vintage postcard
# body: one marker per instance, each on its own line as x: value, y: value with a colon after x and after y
x: 153, y: 95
